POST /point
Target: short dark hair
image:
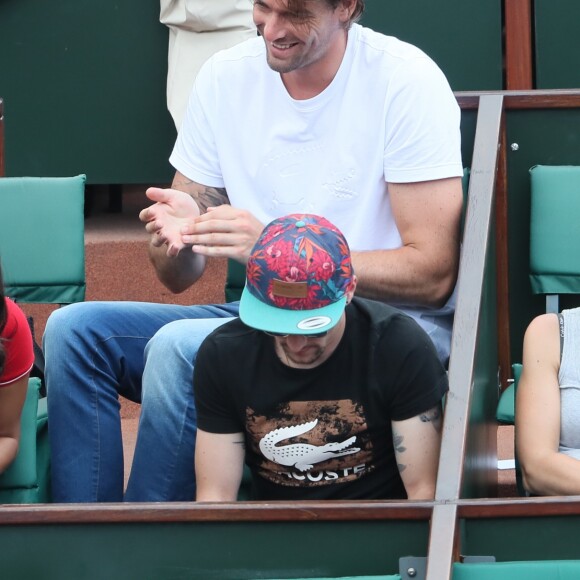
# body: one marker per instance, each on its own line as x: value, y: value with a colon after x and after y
x: 299, y: 7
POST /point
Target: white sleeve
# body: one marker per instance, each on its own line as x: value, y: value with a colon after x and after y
x: 195, y: 152
x: 423, y: 138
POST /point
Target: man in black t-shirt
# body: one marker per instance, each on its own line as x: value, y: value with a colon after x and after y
x: 320, y: 399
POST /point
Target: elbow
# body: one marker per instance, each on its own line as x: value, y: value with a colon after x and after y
x: 531, y: 483
x: 421, y: 492
x: 421, y: 488
x: 535, y: 477
x: 175, y: 286
x: 439, y: 291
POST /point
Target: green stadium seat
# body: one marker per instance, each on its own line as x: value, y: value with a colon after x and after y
x: 554, y: 232
x: 43, y: 261
x: 554, y: 245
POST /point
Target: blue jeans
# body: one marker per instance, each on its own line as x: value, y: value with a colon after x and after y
x: 96, y: 351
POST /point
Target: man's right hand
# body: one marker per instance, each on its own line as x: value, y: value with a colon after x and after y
x: 166, y: 218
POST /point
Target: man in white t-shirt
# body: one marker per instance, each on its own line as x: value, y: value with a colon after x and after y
x: 319, y: 115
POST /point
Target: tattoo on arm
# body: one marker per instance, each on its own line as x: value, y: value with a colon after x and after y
x: 433, y: 416
x: 204, y: 196
x: 398, y: 443
x: 399, y: 449
x: 210, y: 197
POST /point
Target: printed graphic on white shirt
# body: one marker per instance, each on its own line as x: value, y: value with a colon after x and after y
x: 312, y: 443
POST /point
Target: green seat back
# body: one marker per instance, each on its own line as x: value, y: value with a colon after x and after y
x: 25, y: 479
x: 505, y: 408
x: 22, y: 471
x: 42, y: 238
x: 43, y: 261
x: 536, y: 570
x: 554, y: 231
x: 43, y: 494
x: 235, y: 280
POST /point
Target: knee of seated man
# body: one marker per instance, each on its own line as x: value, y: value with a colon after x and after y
x: 181, y: 338
x: 67, y: 321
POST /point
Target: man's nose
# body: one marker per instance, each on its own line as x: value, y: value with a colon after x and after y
x: 274, y: 28
x: 296, y: 341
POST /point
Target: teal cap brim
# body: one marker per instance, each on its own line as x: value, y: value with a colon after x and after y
x: 257, y: 314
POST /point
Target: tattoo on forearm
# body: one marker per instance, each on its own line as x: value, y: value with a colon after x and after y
x: 433, y: 416
x: 210, y: 197
x: 241, y: 443
x: 204, y: 196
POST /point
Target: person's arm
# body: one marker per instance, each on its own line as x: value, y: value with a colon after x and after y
x: 12, y: 399
x: 191, y: 222
x: 423, y: 271
x: 545, y: 471
x: 173, y: 209
x: 219, y: 465
x: 417, y: 443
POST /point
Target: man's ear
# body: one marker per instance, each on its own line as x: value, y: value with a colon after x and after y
x: 351, y: 289
x: 346, y: 10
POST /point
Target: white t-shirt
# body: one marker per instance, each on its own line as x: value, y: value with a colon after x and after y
x: 388, y: 115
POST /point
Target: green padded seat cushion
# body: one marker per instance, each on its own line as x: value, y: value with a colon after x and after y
x: 505, y: 412
x: 27, y: 480
x: 506, y: 408
x: 31, y: 274
x: 536, y: 570
x: 235, y: 281
x: 43, y: 494
x: 554, y: 232
x: 22, y: 471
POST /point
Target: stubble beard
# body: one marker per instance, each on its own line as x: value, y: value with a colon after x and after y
x: 280, y: 66
x: 314, y: 353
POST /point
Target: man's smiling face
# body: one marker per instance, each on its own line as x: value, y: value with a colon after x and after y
x: 297, y: 41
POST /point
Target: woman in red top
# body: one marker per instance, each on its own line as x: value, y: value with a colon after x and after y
x: 16, y: 360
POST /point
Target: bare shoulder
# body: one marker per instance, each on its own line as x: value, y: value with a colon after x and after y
x: 543, y: 329
x: 542, y: 343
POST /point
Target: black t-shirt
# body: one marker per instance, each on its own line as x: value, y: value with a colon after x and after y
x: 321, y: 433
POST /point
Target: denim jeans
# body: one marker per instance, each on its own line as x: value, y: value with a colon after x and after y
x: 96, y: 351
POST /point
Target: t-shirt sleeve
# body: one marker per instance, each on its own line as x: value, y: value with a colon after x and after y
x: 423, y: 137
x: 419, y: 378
x: 214, y: 403
x: 17, y: 343
x: 195, y: 152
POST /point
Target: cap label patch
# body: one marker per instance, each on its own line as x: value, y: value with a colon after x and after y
x: 314, y: 323
x: 289, y: 289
